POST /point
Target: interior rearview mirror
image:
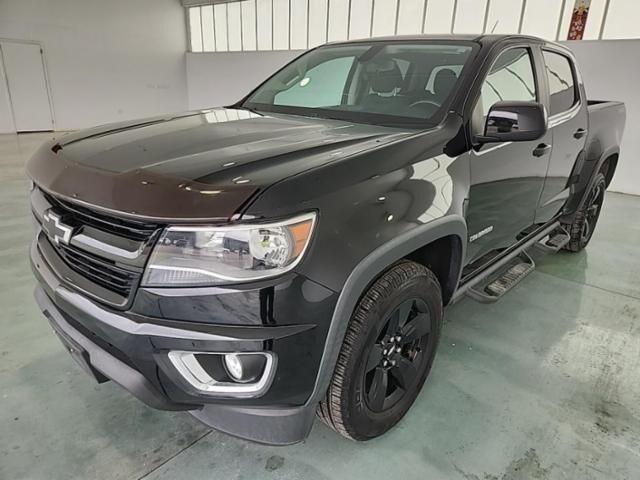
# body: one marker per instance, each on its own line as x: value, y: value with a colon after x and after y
x: 514, y: 122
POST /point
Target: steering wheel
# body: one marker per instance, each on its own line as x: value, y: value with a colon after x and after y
x: 421, y: 104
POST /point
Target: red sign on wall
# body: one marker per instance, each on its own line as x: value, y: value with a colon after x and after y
x: 579, y: 19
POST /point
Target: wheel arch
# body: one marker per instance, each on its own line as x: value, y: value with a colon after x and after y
x: 607, y: 161
x: 609, y: 165
x: 585, y: 171
x: 443, y: 257
x: 450, y: 230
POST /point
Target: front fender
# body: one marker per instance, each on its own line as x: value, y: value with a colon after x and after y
x: 365, y: 273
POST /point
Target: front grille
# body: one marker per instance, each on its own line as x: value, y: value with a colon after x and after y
x: 100, y: 271
x: 111, y: 276
x: 131, y: 229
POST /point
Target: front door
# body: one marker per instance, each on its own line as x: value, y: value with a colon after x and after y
x: 506, y: 178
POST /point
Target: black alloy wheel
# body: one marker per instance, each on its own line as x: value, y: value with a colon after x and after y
x: 387, y: 353
x: 394, y: 361
x: 586, y: 218
x: 592, y: 212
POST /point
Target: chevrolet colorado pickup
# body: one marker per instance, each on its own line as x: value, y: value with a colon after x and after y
x: 291, y: 254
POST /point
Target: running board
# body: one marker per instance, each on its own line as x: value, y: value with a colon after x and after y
x: 557, y: 239
x: 515, y: 271
x: 500, y: 277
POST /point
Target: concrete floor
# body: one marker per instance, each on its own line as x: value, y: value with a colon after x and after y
x: 545, y: 384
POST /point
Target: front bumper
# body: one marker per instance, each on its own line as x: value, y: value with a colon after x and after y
x: 99, y: 363
x: 132, y: 350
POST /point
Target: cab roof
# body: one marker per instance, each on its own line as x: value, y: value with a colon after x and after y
x: 482, y: 39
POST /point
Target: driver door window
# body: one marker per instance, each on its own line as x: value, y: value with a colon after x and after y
x: 511, y: 78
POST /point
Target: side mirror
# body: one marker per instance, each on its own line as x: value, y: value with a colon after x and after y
x: 514, y: 122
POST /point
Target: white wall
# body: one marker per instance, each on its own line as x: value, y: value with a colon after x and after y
x: 608, y: 68
x: 610, y: 72
x: 107, y: 60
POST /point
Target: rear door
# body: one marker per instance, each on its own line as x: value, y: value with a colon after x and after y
x: 568, y: 122
x: 506, y: 178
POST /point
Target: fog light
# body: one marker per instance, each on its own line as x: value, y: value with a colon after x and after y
x: 244, y: 367
x: 229, y: 374
x: 234, y: 366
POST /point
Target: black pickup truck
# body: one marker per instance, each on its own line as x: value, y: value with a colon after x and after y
x: 292, y: 254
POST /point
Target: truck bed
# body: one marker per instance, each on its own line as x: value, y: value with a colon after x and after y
x: 606, y: 124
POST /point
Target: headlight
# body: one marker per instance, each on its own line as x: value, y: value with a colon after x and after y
x: 196, y: 256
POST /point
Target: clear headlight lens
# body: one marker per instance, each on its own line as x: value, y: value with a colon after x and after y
x: 196, y: 256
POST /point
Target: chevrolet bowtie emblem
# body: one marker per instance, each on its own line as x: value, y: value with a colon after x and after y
x: 55, y: 229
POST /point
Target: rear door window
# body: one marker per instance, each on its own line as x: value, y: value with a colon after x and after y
x: 562, y: 84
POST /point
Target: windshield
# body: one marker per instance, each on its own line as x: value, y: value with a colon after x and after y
x: 392, y: 83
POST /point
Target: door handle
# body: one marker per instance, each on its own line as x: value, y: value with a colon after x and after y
x: 541, y: 150
x: 581, y: 132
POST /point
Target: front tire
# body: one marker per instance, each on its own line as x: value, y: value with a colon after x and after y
x: 585, y: 220
x: 387, y: 353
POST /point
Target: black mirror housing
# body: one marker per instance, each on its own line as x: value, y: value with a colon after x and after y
x: 514, y: 122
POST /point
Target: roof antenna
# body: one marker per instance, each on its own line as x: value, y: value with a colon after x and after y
x: 495, y: 25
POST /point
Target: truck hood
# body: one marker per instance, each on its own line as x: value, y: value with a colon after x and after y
x: 202, y: 165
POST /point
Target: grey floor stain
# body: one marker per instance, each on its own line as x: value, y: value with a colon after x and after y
x: 615, y: 419
x: 526, y: 468
x: 274, y: 462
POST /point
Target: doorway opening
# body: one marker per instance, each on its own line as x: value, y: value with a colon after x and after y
x: 23, y: 66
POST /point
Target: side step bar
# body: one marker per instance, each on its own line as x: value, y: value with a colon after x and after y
x: 519, y: 267
x: 555, y: 242
x: 516, y: 265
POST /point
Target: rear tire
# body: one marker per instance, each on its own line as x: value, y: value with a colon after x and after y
x: 387, y: 353
x: 586, y: 219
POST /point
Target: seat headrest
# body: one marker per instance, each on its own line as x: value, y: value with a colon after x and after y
x: 444, y: 81
x: 385, y: 76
